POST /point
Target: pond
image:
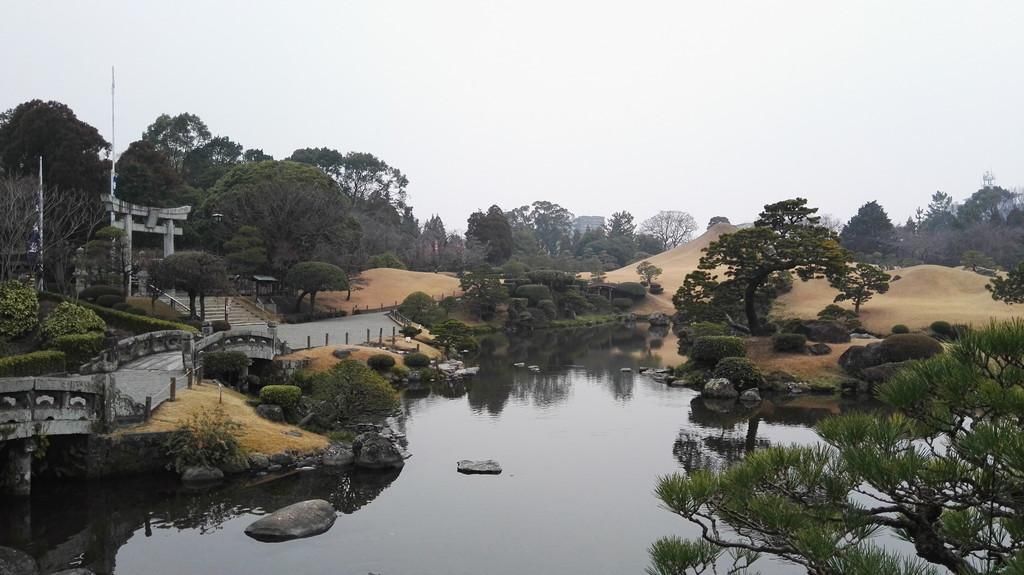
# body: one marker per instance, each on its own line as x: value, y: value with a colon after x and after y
x: 582, y: 444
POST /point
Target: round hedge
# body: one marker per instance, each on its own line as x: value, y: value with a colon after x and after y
x: 943, y: 329
x: 900, y: 328
x: 109, y: 300
x: 740, y: 371
x: 92, y: 293
x: 548, y: 307
x: 709, y: 350
x: 71, y: 319
x: 633, y: 290
x: 381, y: 362
x: 19, y: 309
x: 287, y: 396
x: 622, y: 303
x: 789, y: 342
x: 907, y: 346
x: 534, y: 292
x: 416, y: 359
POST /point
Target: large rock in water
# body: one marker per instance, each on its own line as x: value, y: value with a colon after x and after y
x: 303, y: 519
x: 338, y: 456
x: 484, y: 467
x: 200, y: 474
x: 14, y: 562
x: 895, y: 349
x: 824, y: 331
x: 719, y: 388
x: 657, y: 318
x: 375, y: 452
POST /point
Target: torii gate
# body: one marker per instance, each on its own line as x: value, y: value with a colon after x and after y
x: 146, y: 219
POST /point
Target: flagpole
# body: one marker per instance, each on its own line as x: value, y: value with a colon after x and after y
x: 40, y: 207
x: 113, y: 148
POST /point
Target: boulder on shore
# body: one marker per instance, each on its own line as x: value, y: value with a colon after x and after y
x: 719, y: 388
x: 819, y: 349
x: 270, y: 412
x: 372, y: 451
x: 338, y: 455
x: 483, y: 467
x: 303, y: 519
x: 824, y: 331
x: 14, y: 562
x: 750, y: 396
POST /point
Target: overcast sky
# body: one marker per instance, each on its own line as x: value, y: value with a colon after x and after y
x: 709, y: 107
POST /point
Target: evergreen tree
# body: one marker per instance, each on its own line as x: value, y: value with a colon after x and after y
x: 1009, y: 289
x: 621, y: 225
x: 869, y: 231
x: 492, y: 230
x: 860, y: 283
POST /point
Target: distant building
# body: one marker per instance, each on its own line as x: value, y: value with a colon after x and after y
x: 582, y: 224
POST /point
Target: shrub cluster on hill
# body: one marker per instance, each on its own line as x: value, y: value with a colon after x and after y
x: 71, y: 319
x: 19, y: 309
x: 348, y: 390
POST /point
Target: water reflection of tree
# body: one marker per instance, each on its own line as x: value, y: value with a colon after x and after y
x: 93, y: 520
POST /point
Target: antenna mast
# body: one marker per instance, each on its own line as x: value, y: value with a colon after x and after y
x: 113, y: 146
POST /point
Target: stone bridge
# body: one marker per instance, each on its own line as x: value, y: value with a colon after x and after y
x: 256, y: 343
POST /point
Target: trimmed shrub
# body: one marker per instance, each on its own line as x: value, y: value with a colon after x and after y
x: 410, y: 331
x: 944, y: 330
x: 907, y: 346
x: 421, y: 308
x: 227, y: 365
x: 533, y: 292
x: 709, y: 350
x: 347, y: 390
x: 110, y: 300
x: 92, y: 293
x: 208, y: 439
x: 622, y: 303
x: 303, y: 379
x: 656, y: 289
x: 31, y: 364
x: 400, y: 371
x: 78, y: 348
x: 71, y: 319
x: 122, y: 306
x: 287, y: 396
x: 789, y: 342
x: 220, y: 325
x: 381, y: 362
x: 19, y: 309
x: 386, y: 260
x: 740, y: 371
x: 900, y: 328
x: 136, y: 324
x: 633, y: 290
x: 548, y: 307
x: 416, y: 359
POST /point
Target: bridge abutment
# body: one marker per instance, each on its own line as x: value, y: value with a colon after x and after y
x: 16, y: 467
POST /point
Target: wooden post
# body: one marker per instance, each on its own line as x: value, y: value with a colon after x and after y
x: 417, y: 347
x: 149, y: 406
x: 326, y: 338
x: 392, y: 335
x: 308, y: 342
x: 346, y: 338
x: 380, y: 337
x: 174, y: 388
x: 367, y: 335
x: 189, y: 375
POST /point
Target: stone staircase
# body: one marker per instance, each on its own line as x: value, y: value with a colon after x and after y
x: 239, y: 314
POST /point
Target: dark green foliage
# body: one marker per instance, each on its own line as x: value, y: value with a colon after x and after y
x: 598, y: 303
x: 833, y: 312
x: 78, y: 348
x: 31, y: 364
x: 226, y: 365
x: 19, y: 309
x: 314, y: 277
x: 555, y: 279
x: 631, y: 290
x: 1009, y: 289
x: 482, y: 292
x: 198, y: 273
x: 944, y: 330
x: 869, y: 231
x: 287, y: 396
x: 421, y: 308
x: 493, y: 231
x: 904, y: 347
x: 381, y: 361
x: 245, y: 252
x: 219, y: 325
x: 410, y: 331
x: 900, y: 329
x: 656, y: 289
x: 859, y: 283
x: 350, y: 389
x: 121, y: 306
x: 648, y: 271
x: 109, y: 300
x: 533, y: 292
x: 711, y: 349
x: 206, y: 439
x: 386, y: 260
x: 454, y: 335
x: 740, y: 371
x: 92, y: 293
x: 622, y: 303
x: 789, y: 342
x: 416, y: 360
x: 950, y: 431
x: 71, y: 319
x: 548, y: 308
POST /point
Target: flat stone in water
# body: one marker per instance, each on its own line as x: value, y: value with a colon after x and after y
x: 303, y: 519
x: 485, y: 467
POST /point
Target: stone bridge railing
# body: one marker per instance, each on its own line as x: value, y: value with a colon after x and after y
x: 133, y: 348
x: 256, y: 343
x: 31, y: 406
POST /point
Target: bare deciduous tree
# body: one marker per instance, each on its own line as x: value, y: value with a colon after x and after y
x: 671, y: 228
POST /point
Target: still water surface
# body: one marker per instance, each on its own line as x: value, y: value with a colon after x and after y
x: 582, y: 444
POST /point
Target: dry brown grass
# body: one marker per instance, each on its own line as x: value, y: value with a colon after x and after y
x: 923, y: 294
x: 322, y: 358
x: 674, y: 263
x: 385, y: 286
x: 257, y: 435
x: 804, y: 367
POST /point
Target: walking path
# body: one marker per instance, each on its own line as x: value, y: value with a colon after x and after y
x: 295, y: 335
x: 151, y: 376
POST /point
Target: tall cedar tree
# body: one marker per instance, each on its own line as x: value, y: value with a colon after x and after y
x: 869, y: 231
